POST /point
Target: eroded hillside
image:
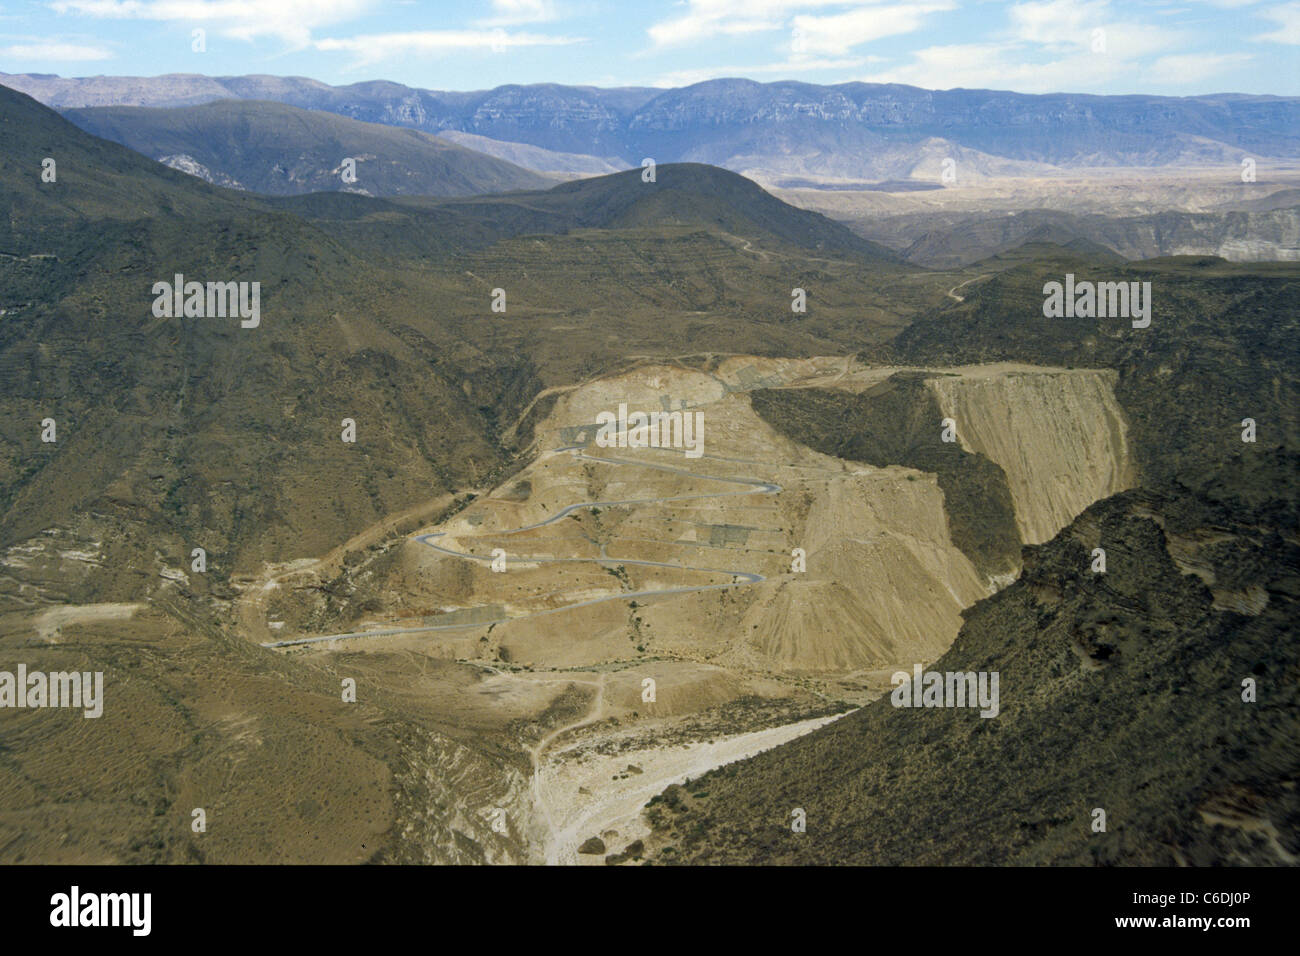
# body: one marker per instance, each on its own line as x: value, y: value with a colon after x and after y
x: 1103, y: 678
x: 749, y: 567
x: 1146, y: 652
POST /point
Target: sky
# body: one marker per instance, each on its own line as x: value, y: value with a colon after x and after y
x: 1171, y: 47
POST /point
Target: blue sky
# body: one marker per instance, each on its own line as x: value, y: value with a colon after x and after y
x: 1174, y: 47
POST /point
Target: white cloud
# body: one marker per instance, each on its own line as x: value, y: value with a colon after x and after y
x: 295, y: 21
x: 710, y: 18
x: 1065, y: 26
x: 841, y: 32
x: 374, y: 48
x: 511, y: 13
x: 1193, y: 67
x: 290, y: 20
x: 1056, y: 45
x: 1057, y: 22
x: 1287, y: 18
x: 1011, y: 65
x: 57, y: 52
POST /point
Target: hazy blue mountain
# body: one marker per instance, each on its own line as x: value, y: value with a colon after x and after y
x: 283, y: 150
x: 774, y: 126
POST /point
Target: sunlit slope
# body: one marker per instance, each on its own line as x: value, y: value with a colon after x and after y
x: 283, y: 150
x: 1221, y: 347
x: 1060, y: 439
x: 882, y: 578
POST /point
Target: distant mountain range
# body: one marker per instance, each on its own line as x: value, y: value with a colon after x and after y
x: 852, y: 130
x: 534, y: 157
x: 282, y: 150
x: 1236, y: 235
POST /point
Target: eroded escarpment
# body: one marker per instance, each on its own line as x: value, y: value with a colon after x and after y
x: 1060, y: 438
x: 897, y: 422
x: 1018, y: 450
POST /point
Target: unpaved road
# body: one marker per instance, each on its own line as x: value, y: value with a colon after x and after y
x: 610, y: 798
x: 251, y: 603
x: 952, y: 293
x: 741, y: 577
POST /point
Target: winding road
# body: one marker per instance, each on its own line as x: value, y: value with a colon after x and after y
x: 558, y: 823
x: 752, y: 486
x: 952, y: 293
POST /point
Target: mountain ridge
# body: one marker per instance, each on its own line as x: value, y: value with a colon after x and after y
x: 717, y: 120
x: 276, y: 149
